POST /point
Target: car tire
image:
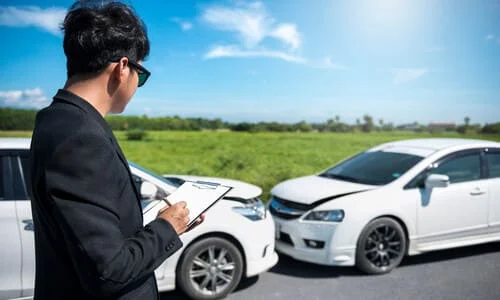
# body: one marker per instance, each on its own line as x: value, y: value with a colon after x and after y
x: 381, y: 246
x: 210, y: 268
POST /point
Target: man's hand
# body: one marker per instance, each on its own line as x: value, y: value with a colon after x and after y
x: 197, y: 222
x: 177, y: 215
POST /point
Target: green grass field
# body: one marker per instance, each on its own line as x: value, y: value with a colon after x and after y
x: 264, y: 159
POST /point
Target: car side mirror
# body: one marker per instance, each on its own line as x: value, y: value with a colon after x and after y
x: 437, y: 181
x: 148, y: 190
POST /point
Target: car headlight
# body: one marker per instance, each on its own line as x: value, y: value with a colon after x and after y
x: 254, y: 211
x: 336, y: 215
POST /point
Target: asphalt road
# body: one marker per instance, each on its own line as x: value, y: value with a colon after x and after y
x: 463, y: 273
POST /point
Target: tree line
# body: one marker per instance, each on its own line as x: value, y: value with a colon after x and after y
x: 21, y: 119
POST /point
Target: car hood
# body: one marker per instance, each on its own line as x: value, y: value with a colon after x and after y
x: 310, y: 189
x: 240, y: 189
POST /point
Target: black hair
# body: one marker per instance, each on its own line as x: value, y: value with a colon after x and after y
x: 95, y: 34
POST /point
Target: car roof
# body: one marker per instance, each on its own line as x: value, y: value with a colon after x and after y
x: 425, y: 147
x: 15, y: 143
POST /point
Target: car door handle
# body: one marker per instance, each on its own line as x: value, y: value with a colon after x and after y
x: 477, y: 192
x: 28, y: 225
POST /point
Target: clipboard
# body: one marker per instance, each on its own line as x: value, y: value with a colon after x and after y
x: 199, y: 196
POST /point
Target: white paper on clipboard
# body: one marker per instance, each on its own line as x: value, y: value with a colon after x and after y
x: 199, y: 196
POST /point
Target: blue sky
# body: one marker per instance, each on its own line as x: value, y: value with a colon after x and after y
x: 287, y: 61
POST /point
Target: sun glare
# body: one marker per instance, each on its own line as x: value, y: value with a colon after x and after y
x: 384, y: 18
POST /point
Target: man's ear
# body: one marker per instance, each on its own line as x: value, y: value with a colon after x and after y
x: 121, y: 70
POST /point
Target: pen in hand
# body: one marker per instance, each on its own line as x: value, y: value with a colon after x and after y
x: 198, y: 221
x: 166, y: 201
x: 176, y: 214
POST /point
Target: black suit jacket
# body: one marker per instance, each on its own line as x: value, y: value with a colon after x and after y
x: 90, y: 242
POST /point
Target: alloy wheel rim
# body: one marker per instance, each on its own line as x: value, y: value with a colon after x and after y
x: 212, y: 270
x: 383, y: 246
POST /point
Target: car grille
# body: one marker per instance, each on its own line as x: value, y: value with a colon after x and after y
x: 286, y: 209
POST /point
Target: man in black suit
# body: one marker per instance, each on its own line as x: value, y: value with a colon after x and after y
x: 89, y: 236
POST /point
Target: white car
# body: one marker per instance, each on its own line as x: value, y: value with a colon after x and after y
x: 226, y: 238
x: 396, y: 199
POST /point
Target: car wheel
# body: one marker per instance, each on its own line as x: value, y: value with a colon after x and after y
x: 210, y: 269
x: 381, y: 246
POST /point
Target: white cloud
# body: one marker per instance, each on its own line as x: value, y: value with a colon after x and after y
x: 288, y: 34
x: 33, y: 98
x: 489, y: 37
x: 235, y: 51
x: 252, y: 25
x: 405, y: 75
x: 327, y: 63
x: 185, y: 25
x: 250, y: 22
x: 48, y: 19
x: 253, y: 28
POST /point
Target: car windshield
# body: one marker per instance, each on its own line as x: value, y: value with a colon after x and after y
x: 373, y: 167
x: 152, y: 174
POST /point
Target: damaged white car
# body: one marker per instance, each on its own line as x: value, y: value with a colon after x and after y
x: 395, y: 199
x: 215, y: 255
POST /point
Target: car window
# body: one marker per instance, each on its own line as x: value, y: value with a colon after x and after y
x: 150, y: 173
x: 18, y: 184
x: 460, y: 169
x: 177, y: 182
x: 376, y: 168
x: 494, y: 164
x: 26, y: 174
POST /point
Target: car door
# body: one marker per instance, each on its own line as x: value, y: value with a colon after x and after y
x: 493, y: 167
x: 22, y: 188
x: 461, y: 208
x: 10, y: 250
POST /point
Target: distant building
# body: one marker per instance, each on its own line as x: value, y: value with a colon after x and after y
x: 409, y: 127
x: 442, y: 126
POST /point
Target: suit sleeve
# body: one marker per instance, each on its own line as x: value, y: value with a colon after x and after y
x: 83, y: 180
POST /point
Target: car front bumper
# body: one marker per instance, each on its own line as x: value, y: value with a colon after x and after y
x: 302, y: 241
x: 260, y: 249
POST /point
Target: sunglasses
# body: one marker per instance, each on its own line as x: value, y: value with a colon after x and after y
x: 142, y: 72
